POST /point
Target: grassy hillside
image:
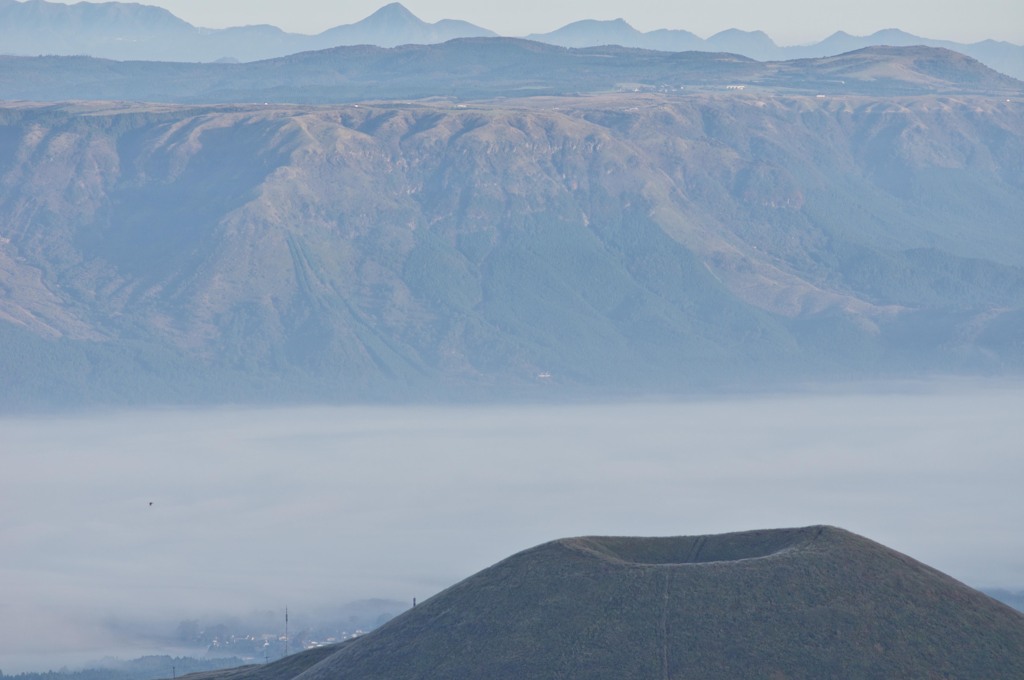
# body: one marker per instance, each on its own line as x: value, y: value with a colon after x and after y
x: 798, y: 603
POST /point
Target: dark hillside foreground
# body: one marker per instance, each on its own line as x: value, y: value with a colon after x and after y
x: 816, y: 602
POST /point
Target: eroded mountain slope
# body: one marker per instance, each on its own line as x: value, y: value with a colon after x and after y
x: 620, y: 242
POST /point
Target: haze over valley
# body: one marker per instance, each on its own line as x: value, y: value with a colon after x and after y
x: 313, y: 508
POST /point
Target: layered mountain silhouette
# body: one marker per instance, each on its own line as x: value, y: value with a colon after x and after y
x: 129, y: 31
x: 394, y: 25
x: 476, y: 68
x: 594, y: 33
x: 1002, y: 56
x: 809, y: 603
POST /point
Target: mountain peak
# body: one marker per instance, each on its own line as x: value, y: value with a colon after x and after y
x: 591, y: 32
x: 889, y: 33
x: 394, y: 25
x: 394, y: 9
x: 736, y: 33
x: 394, y: 13
x: 617, y: 24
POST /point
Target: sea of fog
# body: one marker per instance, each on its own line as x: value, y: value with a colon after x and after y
x: 147, y: 518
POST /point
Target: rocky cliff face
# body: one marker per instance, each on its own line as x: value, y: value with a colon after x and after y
x: 617, y: 242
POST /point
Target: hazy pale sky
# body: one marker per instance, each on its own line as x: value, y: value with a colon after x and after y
x: 786, y: 21
x: 319, y: 506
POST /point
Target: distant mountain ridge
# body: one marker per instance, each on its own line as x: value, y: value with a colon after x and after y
x: 481, y: 68
x: 394, y: 25
x: 1002, y: 56
x: 128, y: 31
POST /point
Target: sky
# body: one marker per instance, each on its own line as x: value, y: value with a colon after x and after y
x: 252, y: 509
x: 786, y: 21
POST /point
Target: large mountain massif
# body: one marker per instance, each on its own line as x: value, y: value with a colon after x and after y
x: 626, y: 242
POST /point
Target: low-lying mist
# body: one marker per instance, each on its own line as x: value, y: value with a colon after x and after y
x: 154, y: 517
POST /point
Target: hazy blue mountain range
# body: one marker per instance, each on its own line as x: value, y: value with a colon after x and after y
x: 999, y: 55
x: 542, y: 247
x: 476, y: 68
x: 128, y: 31
x: 816, y: 602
